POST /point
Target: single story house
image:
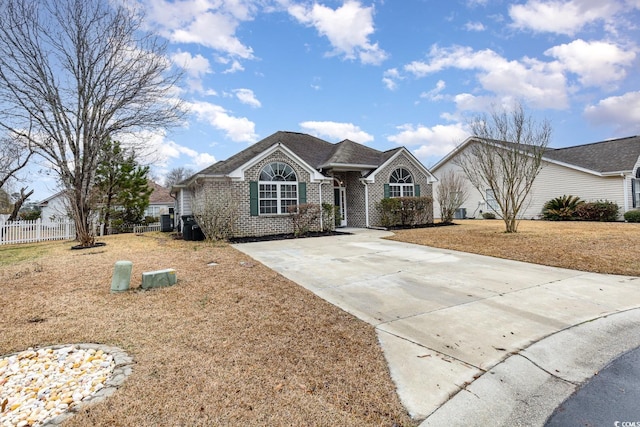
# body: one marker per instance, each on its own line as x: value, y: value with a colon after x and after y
x: 289, y: 168
x: 160, y: 201
x: 606, y: 170
x: 54, y: 207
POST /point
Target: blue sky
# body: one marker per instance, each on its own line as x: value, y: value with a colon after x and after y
x: 392, y: 72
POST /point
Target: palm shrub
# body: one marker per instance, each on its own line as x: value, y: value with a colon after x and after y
x: 561, y: 208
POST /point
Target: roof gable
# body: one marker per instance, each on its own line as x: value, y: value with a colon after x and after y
x: 314, y: 152
x: 599, y: 158
x: 617, y: 155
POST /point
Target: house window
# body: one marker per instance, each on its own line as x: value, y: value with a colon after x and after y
x: 401, y: 183
x: 491, y: 200
x: 277, y: 189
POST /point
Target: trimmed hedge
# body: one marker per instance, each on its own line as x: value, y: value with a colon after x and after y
x: 405, y: 211
x: 602, y: 210
x: 632, y: 216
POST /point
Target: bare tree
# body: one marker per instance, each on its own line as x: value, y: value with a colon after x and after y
x: 17, y: 205
x: 177, y: 175
x: 451, y: 194
x: 14, y: 155
x: 217, y: 212
x: 505, y: 158
x: 81, y: 71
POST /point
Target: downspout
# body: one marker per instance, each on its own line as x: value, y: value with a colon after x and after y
x: 625, y: 192
x: 321, y: 215
x: 366, y: 203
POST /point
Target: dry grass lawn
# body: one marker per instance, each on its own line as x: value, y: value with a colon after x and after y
x: 600, y: 247
x: 231, y: 344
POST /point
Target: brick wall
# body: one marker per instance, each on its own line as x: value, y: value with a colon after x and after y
x: 265, y: 225
x: 376, y: 190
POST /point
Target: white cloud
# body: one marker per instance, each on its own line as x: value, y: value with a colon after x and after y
x: 474, y: 26
x: 239, y: 129
x: 596, y: 63
x: 621, y: 112
x: 390, y: 78
x: 348, y: 29
x: 561, y: 17
x: 203, y: 160
x: 542, y: 84
x: 207, y: 23
x: 434, y: 142
x: 234, y: 68
x: 435, y: 93
x: 246, y: 96
x: 196, y: 67
x: 337, y: 131
x: 155, y: 149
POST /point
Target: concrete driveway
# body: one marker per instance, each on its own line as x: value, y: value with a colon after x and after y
x: 444, y: 318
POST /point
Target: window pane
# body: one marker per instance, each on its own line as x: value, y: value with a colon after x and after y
x: 394, y: 190
x: 268, y: 206
x: 284, y: 207
x: 288, y: 191
x: 407, y: 191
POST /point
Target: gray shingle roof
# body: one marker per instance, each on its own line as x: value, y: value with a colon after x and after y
x: 315, y: 151
x: 605, y: 157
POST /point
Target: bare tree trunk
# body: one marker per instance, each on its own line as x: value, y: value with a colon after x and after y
x: 505, y: 157
x: 80, y: 71
x: 18, y: 204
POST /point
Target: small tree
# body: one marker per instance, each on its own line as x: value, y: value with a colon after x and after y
x: 451, y: 194
x: 217, y: 213
x: 121, y: 182
x: 303, y: 217
x: 505, y: 157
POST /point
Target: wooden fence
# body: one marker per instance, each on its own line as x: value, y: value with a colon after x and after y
x: 35, y: 231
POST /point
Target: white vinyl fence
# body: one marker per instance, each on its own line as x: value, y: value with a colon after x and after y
x: 35, y: 231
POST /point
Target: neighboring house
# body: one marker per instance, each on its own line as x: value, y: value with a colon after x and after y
x: 289, y: 168
x: 54, y: 207
x: 607, y: 170
x: 160, y: 201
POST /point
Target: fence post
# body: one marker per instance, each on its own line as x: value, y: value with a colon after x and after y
x: 39, y: 226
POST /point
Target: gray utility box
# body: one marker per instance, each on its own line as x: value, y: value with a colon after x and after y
x: 159, y: 278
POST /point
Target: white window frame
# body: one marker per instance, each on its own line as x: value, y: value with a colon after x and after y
x: 403, y: 185
x: 636, y: 195
x: 491, y: 200
x: 281, y: 186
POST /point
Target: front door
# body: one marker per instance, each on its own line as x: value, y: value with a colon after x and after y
x: 340, y: 200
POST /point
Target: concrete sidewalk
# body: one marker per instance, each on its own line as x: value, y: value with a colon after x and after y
x: 446, y: 318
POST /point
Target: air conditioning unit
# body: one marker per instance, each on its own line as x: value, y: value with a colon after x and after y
x: 460, y: 213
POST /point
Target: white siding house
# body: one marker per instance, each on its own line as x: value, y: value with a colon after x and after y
x: 607, y: 170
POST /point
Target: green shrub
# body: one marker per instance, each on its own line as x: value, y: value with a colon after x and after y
x: 405, y: 211
x: 632, y: 216
x: 561, y: 208
x: 489, y: 215
x: 150, y: 220
x: 601, y: 210
x: 303, y: 217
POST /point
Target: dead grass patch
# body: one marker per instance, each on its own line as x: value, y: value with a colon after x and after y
x: 601, y: 247
x: 230, y: 344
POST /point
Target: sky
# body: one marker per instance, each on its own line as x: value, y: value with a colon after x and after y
x: 389, y: 73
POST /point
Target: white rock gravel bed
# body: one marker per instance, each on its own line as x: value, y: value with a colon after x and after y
x: 41, y: 387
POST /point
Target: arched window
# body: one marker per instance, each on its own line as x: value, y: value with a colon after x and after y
x: 278, y: 188
x: 401, y: 183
